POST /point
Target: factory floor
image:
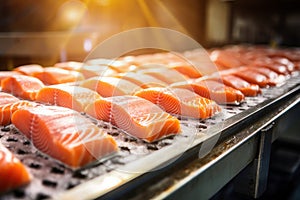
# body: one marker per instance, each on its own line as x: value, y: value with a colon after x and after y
x: 284, y: 169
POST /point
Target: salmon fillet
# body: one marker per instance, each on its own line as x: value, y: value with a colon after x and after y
x: 120, y: 66
x: 272, y: 77
x: 252, y: 77
x: 70, y: 65
x: 142, y: 80
x: 64, y: 134
x: 268, y: 63
x: 5, y: 74
x: 212, y: 90
x: 55, y: 75
x: 74, y: 97
x: 22, y: 86
x: 138, y: 117
x: 29, y: 70
x: 7, y: 98
x: 180, y: 102
x: 164, y: 74
x: 246, y: 88
x: 186, y: 69
x: 13, y: 173
x: 110, y: 86
x: 89, y: 71
x: 6, y: 110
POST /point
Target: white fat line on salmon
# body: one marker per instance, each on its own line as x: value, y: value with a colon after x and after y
x: 55, y: 95
x: 31, y: 126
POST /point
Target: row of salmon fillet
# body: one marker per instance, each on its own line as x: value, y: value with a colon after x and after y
x: 141, y: 95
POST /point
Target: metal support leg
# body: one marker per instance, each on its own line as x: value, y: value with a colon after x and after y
x: 253, y: 180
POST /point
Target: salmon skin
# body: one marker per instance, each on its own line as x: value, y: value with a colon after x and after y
x: 7, y: 110
x: 64, y: 134
x: 213, y: 90
x: 246, y: 88
x: 29, y: 70
x: 136, y: 116
x: 180, y: 102
x: 142, y: 80
x: 22, y: 86
x: 55, y: 75
x: 74, y: 97
x: 13, y: 173
x: 110, y: 86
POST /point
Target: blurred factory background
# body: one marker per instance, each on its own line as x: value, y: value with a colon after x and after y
x: 47, y: 31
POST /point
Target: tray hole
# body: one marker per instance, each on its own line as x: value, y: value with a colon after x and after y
x: 56, y: 170
x: 203, y: 126
x: 12, y: 139
x: 27, y: 142
x: 21, y: 152
x: 115, y: 133
x: 152, y: 147
x: 5, y: 129
x: 41, y: 196
x: 166, y: 142
x: 229, y: 108
x: 80, y: 174
x: 19, y: 193
x: 71, y: 185
x: 130, y: 139
x: 125, y: 148
x: 49, y: 183
x: 35, y: 166
x: 42, y: 156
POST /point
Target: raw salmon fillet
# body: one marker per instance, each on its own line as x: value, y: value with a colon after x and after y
x: 22, y: 86
x: 186, y: 69
x: 6, y: 110
x: 55, y: 75
x: 64, y: 134
x: 89, y: 71
x: 180, y: 102
x: 110, y: 86
x: 7, y: 98
x: 224, y: 59
x: 120, y: 66
x: 74, y: 97
x: 268, y: 63
x: 212, y: 90
x: 142, y: 80
x: 13, y: 173
x: 70, y: 65
x: 29, y: 70
x: 164, y: 74
x: 137, y: 116
x: 252, y: 77
x: 272, y: 77
x: 5, y: 74
x: 246, y: 88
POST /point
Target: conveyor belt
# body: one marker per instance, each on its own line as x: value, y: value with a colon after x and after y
x: 128, y: 169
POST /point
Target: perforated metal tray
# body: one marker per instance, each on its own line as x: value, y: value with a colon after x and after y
x: 51, y: 179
